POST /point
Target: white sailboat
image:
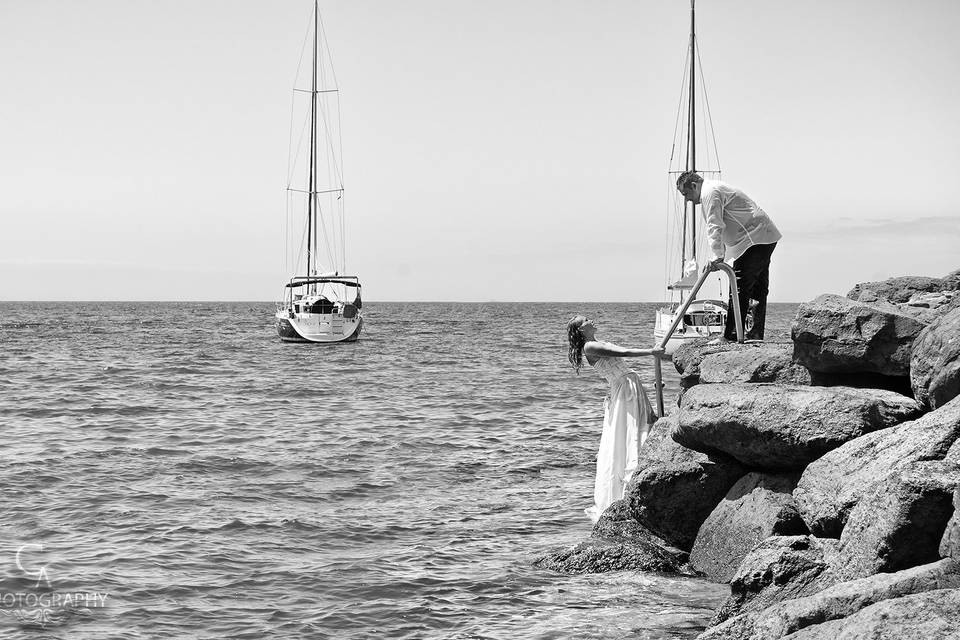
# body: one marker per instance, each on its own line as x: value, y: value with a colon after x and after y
x: 686, y: 250
x: 323, y: 305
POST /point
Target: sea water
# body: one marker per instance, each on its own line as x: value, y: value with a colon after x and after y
x: 172, y: 470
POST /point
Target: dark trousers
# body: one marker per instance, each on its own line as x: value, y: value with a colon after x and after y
x: 753, y: 283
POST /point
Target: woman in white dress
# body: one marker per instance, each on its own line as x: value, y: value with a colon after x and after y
x: 627, y: 414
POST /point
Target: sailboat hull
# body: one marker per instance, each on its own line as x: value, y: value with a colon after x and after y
x: 703, y: 319
x: 317, y: 328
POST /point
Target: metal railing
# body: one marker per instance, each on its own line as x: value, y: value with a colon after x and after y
x: 738, y: 321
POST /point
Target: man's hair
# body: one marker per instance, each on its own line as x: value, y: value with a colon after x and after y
x: 686, y: 179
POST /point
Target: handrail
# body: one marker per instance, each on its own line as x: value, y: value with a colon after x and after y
x: 738, y: 321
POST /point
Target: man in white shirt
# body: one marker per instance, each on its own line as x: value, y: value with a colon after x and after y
x: 738, y: 230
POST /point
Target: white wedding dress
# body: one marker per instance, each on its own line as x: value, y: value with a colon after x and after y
x: 627, y: 416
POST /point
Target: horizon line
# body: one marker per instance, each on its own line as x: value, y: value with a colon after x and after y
x: 62, y: 301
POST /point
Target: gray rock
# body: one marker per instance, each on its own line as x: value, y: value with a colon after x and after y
x: 899, y: 523
x: 600, y: 556
x: 617, y: 524
x: 930, y: 306
x: 920, y: 297
x: 769, y: 363
x: 617, y: 543
x: 925, y: 303
x: 831, y: 486
x: 953, y: 453
x: 833, y: 334
x: 932, y: 615
x: 935, y: 363
x: 836, y: 602
x: 688, y: 357
x: 903, y: 288
x: 757, y: 507
x: 780, y: 427
x: 950, y: 543
x: 674, y: 488
x: 779, y: 568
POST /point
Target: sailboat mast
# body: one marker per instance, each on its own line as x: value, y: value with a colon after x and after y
x: 312, y: 180
x: 692, y: 127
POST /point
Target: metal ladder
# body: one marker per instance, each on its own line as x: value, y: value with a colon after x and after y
x: 738, y: 321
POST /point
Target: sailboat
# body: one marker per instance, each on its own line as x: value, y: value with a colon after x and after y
x: 686, y: 249
x: 323, y: 304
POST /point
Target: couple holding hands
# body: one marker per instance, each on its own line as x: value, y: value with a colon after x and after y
x: 738, y: 230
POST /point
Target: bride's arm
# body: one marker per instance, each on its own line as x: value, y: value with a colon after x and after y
x: 608, y: 349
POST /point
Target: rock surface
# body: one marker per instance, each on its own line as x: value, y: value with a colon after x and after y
x: 674, y: 488
x: 616, y: 523
x: 935, y: 363
x: 836, y: 602
x: 950, y: 543
x: 783, y: 427
x: 833, y: 334
x: 779, y: 568
x: 901, y: 289
x: 899, y: 523
x: 932, y: 615
x: 599, y: 556
x: 756, y: 507
x: 923, y: 298
x: 769, y: 363
x: 617, y: 543
x: 831, y: 486
x: 687, y: 358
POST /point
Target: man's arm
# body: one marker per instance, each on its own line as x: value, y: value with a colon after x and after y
x: 712, y: 210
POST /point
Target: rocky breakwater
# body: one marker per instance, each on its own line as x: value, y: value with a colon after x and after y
x: 819, y: 478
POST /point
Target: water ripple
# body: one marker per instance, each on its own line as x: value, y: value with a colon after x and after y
x: 214, y: 482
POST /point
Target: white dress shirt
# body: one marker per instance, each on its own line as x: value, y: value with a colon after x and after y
x: 734, y: 221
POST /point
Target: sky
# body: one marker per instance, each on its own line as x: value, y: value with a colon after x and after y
x: 509, y: 150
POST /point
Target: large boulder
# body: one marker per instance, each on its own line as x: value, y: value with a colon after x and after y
x: 935, y: 363
x: 687, y: 358
x: 779, y: 568
x: 769, y: 363
x: 833, y: 334
x: 617, y: 543
x: 835, y: 602
x: 920, y: 297
x: 953, y: 453
x: 927, y: 307
x: 831, y: 486
x: 778, y: 427
x: 617, y: 524
x: 600, y: 556
x: 756, y: 507
x: 922, y: 616
x: 674, y: 489
x: 900, y: 289
x: 900, y: 522
x: 950, y: 543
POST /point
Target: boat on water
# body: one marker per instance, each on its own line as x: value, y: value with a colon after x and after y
x: 686, y: 249
x: 323, y: 304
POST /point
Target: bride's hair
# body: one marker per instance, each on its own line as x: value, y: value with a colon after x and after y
x: 576, y: 342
